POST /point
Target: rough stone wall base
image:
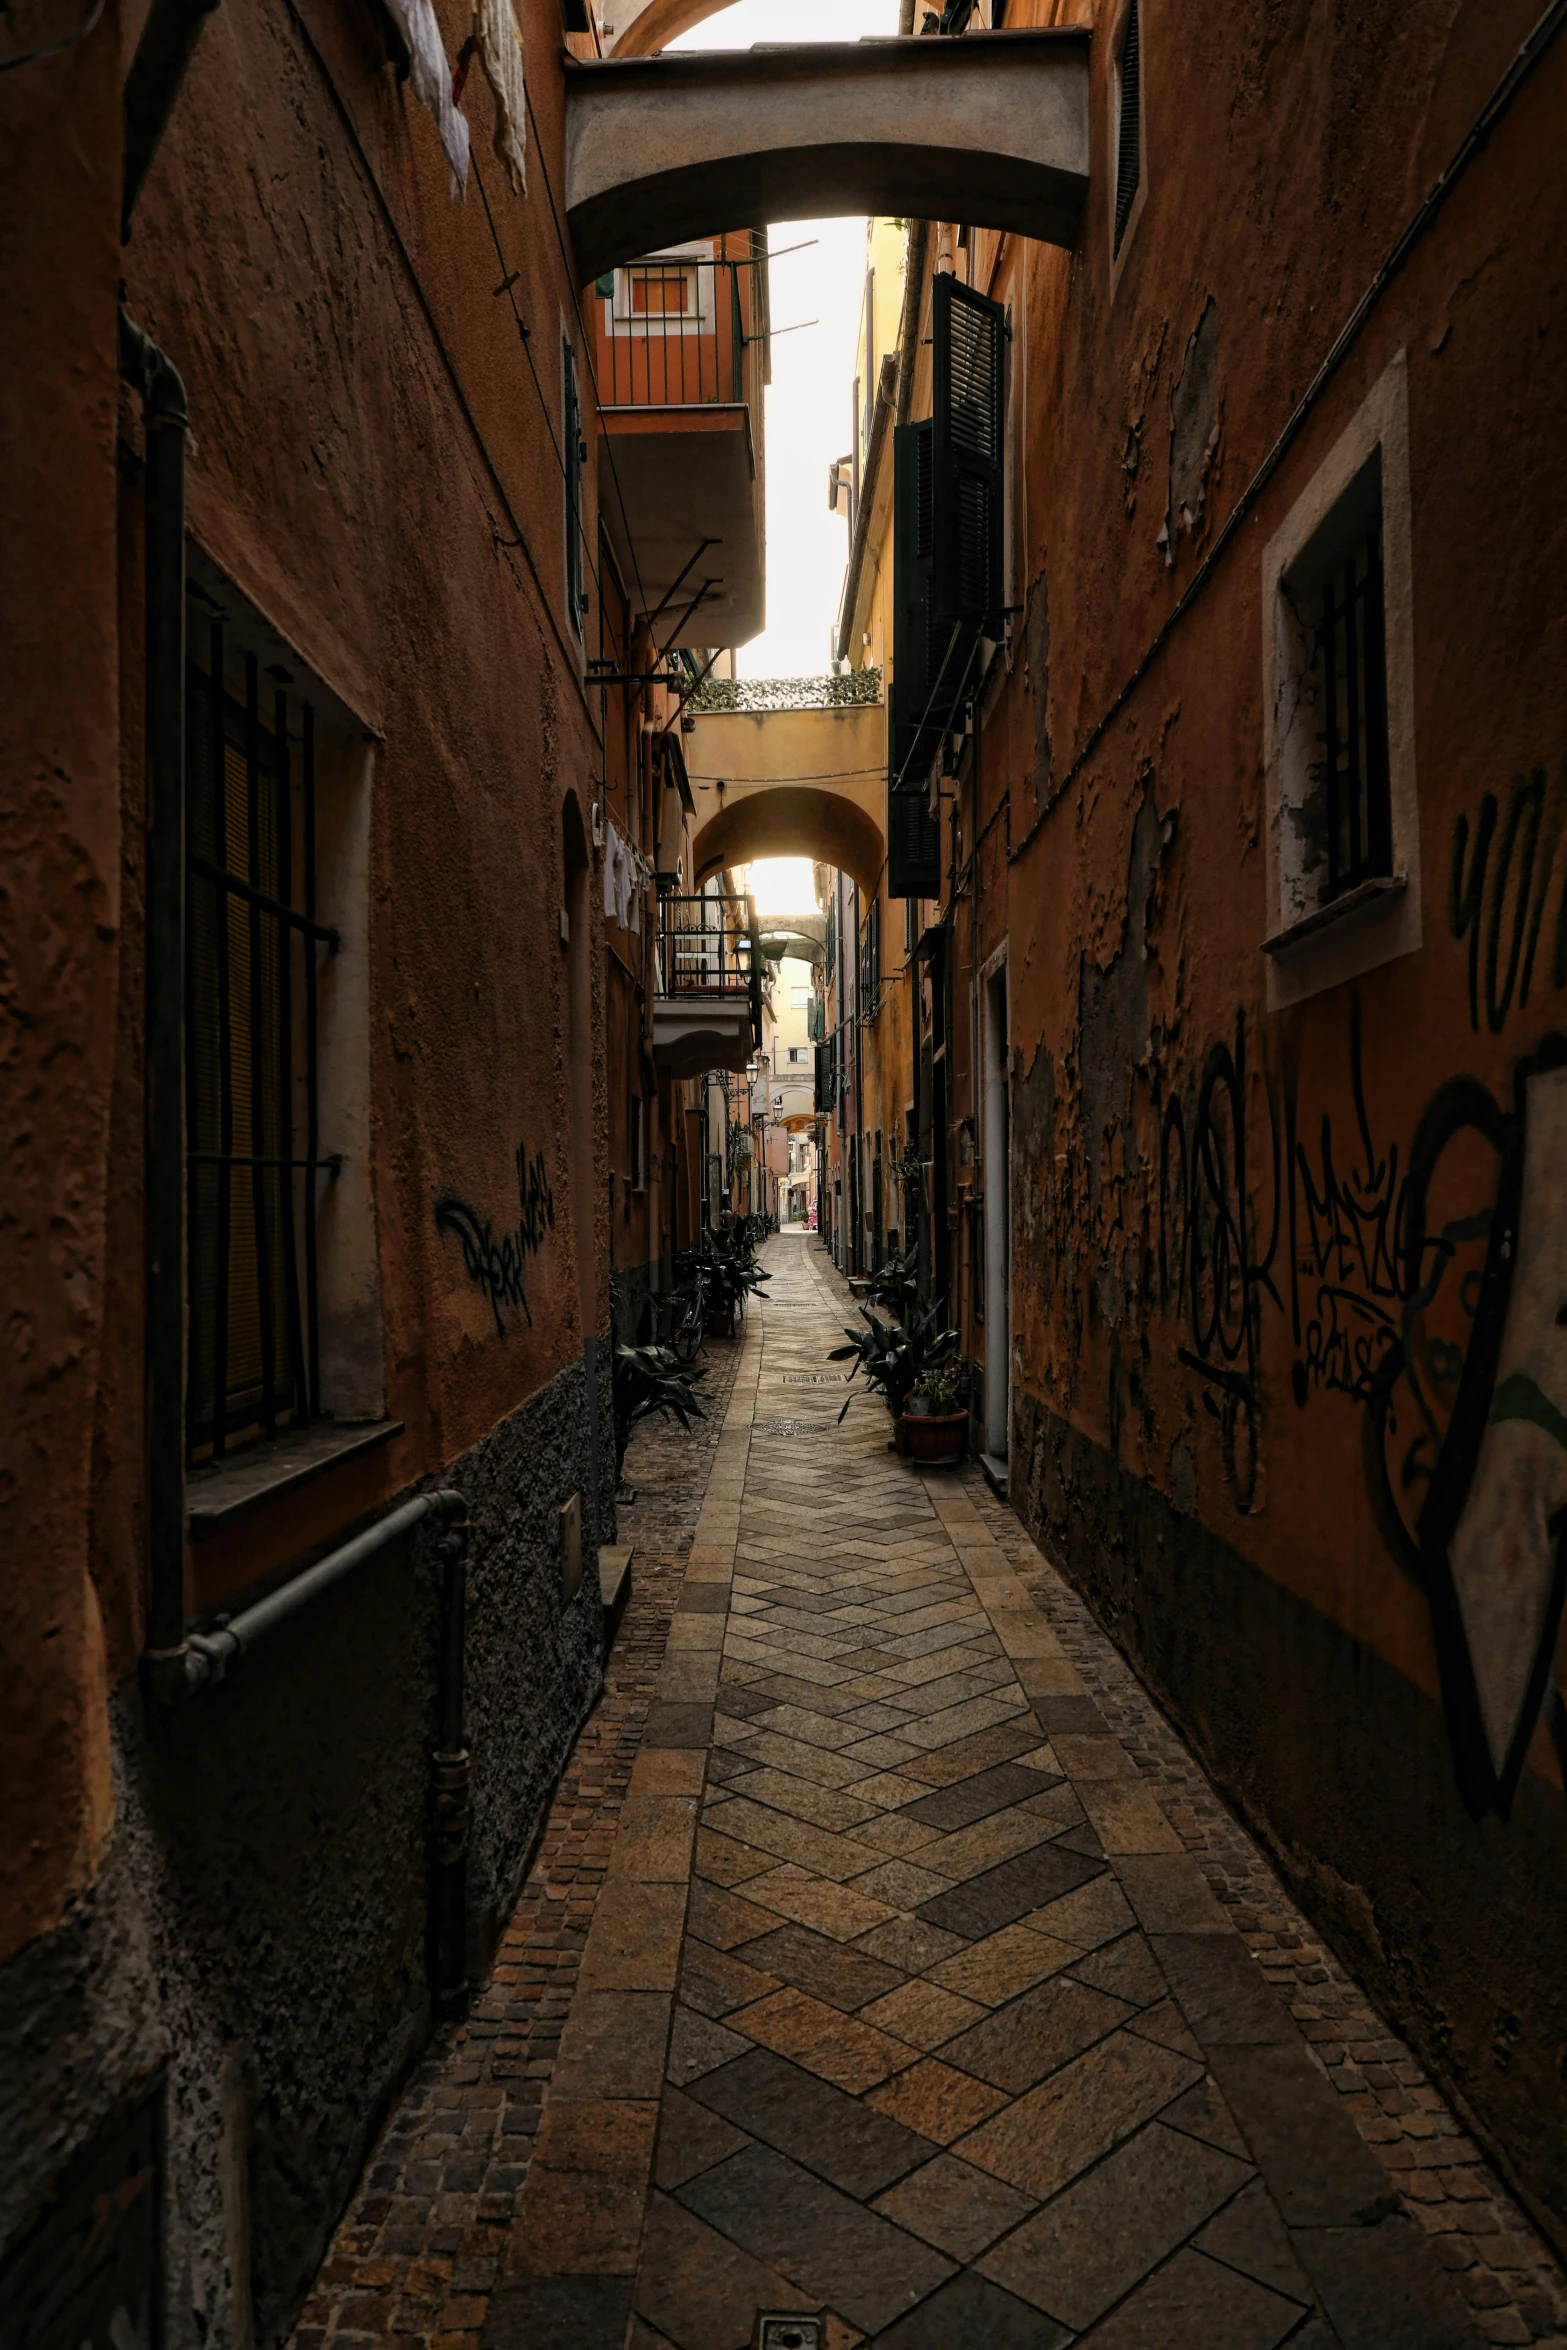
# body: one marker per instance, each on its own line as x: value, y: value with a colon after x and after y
x: 259, y: 1927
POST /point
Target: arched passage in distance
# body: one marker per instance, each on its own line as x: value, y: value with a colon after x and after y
x: 792, y: 820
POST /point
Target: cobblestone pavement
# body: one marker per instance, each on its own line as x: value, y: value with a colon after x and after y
x: 422, y: 2243
x: 963, y: 2016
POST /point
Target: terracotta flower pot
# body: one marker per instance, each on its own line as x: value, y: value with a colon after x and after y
x: 939, y: 1438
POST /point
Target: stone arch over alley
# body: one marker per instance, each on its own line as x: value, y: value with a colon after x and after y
x: 791, y: 768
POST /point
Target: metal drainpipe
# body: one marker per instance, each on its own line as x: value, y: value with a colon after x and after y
x: 166, y: 421
x: 205, y: 1658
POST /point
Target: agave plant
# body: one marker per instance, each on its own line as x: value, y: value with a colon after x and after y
x: 895, y: 1359
x: 895, y: 1284
x: 651, y: 1380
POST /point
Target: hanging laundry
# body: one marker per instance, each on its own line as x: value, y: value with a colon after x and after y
x: 611, y: 843
x: 500, y: 48
x: 431, y: 76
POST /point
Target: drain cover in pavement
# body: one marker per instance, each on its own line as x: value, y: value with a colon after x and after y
x: 814, y: 1378
x: 788, y: 2333
x: 782, y: 1428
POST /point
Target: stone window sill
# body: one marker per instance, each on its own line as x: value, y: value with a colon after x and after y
x: 1376, y: 892
x: 219, y: 1496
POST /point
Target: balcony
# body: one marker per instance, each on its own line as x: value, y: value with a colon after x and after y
x: 707, y: 1006
x: 682, y: 339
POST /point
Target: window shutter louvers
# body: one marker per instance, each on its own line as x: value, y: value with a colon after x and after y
x: 968, y: 334
x: 913, y: 847
x: 909, y: 692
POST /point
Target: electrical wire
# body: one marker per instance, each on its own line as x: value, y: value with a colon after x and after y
x: 570, y: 266
x: 53, y: 48
x: 833, y: 775
x: 524, y: 336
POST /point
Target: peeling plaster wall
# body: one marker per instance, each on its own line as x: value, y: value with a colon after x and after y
x: 1236, y: 1389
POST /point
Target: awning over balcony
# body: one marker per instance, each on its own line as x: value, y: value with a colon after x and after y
x: 684, y: 480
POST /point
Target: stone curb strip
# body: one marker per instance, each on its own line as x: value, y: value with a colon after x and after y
x: 571, y: 2258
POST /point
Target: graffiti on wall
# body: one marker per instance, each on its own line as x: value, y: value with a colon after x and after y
x: 1214, y: 1269
x: 1504, y: 861
x: 1429, y: 1289
x: 495, y: 1263
x: 1419, y: 1277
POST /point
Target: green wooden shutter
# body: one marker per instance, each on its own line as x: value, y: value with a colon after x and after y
x: 909, y: 693
x: 913, y: 847
x: 968, y: 333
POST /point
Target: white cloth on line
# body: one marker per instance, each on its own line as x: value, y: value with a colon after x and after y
x: 500, y: 49
x: 431, y: 75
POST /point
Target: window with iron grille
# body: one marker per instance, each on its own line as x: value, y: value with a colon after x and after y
x: 1351, y: 661
x: 1128, y: 123
x: 1337, y: 830
x: 252, y: 1096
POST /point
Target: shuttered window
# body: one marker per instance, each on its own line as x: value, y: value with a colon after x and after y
x: 948, y: 529
x: 968, y: 338
x: 913, y: 847
x: 911, y: 739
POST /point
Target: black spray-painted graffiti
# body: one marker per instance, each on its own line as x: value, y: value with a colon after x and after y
x: 1212, y: 1271
x: 1431, y: 1293
x: 494, y: 1265
x: 1466, y: 1436
x: 1501, y: 882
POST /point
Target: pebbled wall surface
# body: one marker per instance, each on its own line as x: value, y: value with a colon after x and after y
x: 259, y: 1927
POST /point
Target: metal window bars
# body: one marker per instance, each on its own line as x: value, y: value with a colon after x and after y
x: 673, y: 333
x: 1352, y: 658
x: 253, y: 1152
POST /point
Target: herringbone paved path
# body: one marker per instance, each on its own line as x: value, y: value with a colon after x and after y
x: 905, y: 2005
x: 965, y: 2052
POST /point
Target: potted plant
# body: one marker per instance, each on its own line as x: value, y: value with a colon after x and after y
x: 934, y: 1424
x: 896, y: 1360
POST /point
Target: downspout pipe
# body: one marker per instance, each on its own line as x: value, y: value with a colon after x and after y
x: 166, y: 421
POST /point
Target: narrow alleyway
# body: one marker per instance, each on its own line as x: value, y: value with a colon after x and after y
x: 963, y: 2016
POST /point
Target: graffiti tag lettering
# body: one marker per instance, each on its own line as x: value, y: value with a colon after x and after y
x: 495, y: 1266
x: 1501, y: 879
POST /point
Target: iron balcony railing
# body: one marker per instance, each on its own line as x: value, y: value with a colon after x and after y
x: 709, y: 946
x: 673, y: 333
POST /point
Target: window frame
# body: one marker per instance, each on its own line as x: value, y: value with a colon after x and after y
x: 1315, y: 945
